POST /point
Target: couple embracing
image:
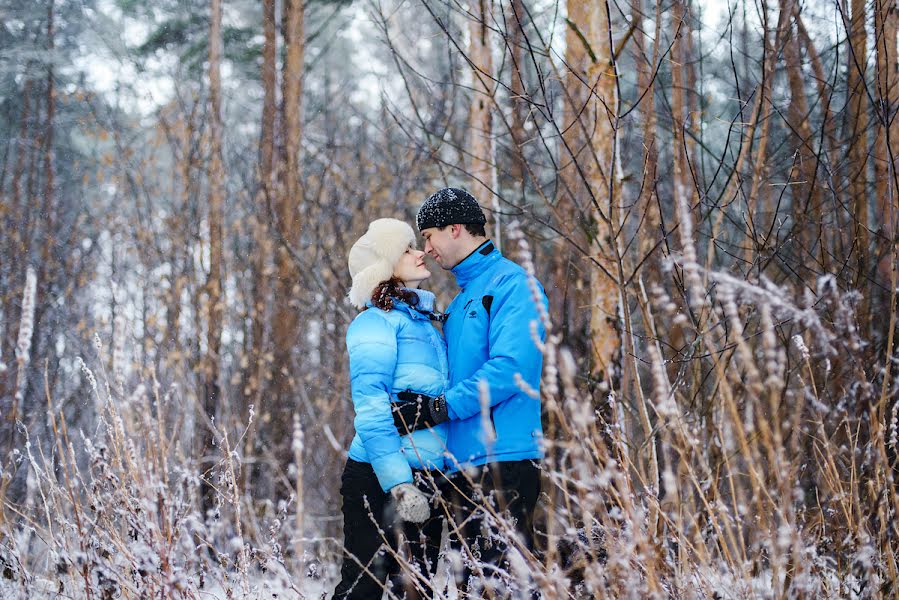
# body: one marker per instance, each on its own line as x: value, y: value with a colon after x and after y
x: 443, y: 425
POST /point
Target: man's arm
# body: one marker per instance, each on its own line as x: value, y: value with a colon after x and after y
x: 512, y: 350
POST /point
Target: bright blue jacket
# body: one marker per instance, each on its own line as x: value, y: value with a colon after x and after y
x: 488, y: 333
x: 393, y: 351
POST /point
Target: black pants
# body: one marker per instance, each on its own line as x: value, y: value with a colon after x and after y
x: 511, y: 488
x: 366, y: 565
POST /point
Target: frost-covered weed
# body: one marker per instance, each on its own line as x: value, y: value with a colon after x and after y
x: 116, y: 512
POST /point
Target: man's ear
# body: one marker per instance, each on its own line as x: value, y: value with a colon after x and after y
x: 455, y: 230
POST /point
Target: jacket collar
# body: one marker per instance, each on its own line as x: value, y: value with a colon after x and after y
x: 426, y: 302
x: 475, y: 263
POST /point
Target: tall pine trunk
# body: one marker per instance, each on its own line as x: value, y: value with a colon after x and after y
x: 214, y: 302
x: 516, y: 87
x: 569, y: 287
x: 806, y: 194
x: 13, y: 246
x: 605, y: 189
x: 257, y: 376
x: 482, y: 157
x: 886, y: 147
x: 648, y: 202
x: 857, y: 135
x: 285, y: 324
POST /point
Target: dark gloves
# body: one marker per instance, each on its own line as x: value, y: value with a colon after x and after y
x: 417, y: 411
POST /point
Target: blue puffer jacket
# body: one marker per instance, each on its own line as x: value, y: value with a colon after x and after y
x: 488, y: 334
x: 393, y: 351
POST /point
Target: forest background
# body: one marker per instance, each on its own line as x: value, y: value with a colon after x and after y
x: 709, y: 199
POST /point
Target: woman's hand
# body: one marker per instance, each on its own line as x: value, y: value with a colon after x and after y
x: 411, y: 503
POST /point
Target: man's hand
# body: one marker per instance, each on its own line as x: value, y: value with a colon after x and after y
x: 417, y: 411
x: 411, y: 503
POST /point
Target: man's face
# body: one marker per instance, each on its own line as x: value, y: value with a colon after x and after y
x: 441, y: 245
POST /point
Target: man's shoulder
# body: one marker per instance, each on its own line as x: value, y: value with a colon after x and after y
x: 501, y: 270
x: 508, y: 273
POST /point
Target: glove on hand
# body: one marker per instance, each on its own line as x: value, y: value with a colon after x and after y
x: 418, y: 411
x: 411, y: 503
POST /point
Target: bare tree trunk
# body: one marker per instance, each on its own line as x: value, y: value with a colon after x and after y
x: 290, y: 197
x: 256, y: 379
x: 13, y: 247
x: 269, y: 85
x: 856, y: 134
x: 569, y: 284
x: 807, y: 194
x: 886, y: 146
x: 33, y: 293
x: 680, y: 172
x: 482, y: 167
x: 215, y: 303
x: 49, y: 162
x: 693, y: 123
x: 518, y: 93
x: 48, y: 219
x: 648, y: 202
x: 829, y: 144
x: 605, y: 185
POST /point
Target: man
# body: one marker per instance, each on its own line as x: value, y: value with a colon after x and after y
x: 495, y: 434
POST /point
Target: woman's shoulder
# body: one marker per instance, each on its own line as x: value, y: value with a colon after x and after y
x: 372, y: 319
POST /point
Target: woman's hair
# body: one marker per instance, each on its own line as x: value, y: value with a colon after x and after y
x: 392, y: 289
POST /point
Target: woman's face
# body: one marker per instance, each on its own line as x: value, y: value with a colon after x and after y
x: 411, y: 269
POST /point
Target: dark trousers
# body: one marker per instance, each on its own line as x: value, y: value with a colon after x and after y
x: 511, y: 488
x: 367, y: 567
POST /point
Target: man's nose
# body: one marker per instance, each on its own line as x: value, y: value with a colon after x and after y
x: 428, y: 248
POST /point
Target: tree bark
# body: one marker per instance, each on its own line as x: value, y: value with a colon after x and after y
x: 269, y: 85
x: 215, y: 303
x: 516, y: 86
x: 290, y: 197
x: 605, y: 186
x: 569, y: 285
x: 648, y: 202
x: 856, y: 134
x: 678, y: 108
x: 49, y: 213
x: 886, y: 146
x: 13, y: 247
x: 806, y: 194
x: 482, y: 155
x: 256, y: 379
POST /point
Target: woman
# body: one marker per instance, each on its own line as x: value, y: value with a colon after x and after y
x: 394, y: 352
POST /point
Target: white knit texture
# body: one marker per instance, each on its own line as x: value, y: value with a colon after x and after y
x: 411, y: 503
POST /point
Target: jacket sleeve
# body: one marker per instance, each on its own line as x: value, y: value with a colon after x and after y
x: 511, y: 350
x: 371, y: 344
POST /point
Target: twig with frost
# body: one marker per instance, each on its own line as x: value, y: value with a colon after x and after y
x: 118, y: 353
x: 894, y: 426
x: 23, y: 343
x: 695, y: 288
x: 297, y: 444
x: 231, y: 477
x: 777, y: 298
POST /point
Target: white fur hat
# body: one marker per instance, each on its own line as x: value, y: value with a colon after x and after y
x: 374, y: 256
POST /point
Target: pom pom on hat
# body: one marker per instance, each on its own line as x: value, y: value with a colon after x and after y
x: 374, y: 256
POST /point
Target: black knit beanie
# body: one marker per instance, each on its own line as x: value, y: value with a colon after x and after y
x: 448, y: 207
